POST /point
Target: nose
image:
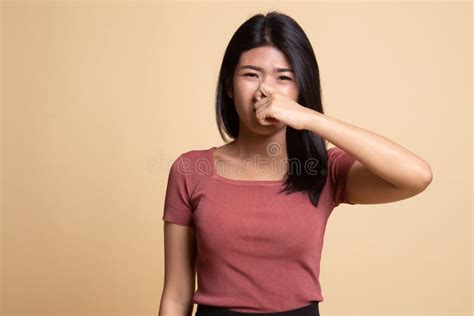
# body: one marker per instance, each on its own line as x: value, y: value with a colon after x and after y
x: 259, y: 93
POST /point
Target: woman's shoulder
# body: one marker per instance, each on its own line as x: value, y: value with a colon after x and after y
x: 194, y: 160
x: 195, y: 153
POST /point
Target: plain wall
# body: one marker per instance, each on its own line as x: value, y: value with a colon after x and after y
x: 99, y: 97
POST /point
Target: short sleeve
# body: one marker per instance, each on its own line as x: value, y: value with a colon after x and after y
x: 177, y: 207
x: 339, y: 164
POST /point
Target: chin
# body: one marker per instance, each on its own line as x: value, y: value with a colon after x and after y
x: 266, y: 130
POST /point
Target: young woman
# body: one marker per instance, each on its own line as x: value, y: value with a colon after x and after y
x: 254, y: 234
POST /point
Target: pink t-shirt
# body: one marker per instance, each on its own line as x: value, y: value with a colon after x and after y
x: 257, y: 250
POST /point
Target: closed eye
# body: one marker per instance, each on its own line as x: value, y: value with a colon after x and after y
x: 251, y: 74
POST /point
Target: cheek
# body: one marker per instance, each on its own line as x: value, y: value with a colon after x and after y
x: 243, y: 102
x: 244, y: 93
x: 290, y: 91
x: 245, y: 87
x: 243, y: 107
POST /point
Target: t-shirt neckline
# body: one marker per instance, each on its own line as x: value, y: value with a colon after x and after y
x: 217, y: 176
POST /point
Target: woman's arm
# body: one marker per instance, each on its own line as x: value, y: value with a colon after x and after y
x: 180, y: 270
x: 384, y: 171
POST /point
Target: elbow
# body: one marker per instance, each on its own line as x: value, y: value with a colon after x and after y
x: 424, y: 179
x: 427, y: 176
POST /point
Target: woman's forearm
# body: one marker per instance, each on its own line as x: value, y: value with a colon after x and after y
x: 171, y: 307
x: 382, y: 156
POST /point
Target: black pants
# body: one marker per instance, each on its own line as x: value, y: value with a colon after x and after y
x: 207, y: 310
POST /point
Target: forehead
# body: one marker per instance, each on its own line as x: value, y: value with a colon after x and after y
x: 265, y: 56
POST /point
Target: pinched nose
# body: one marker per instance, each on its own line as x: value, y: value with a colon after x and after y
x: 259, y: 93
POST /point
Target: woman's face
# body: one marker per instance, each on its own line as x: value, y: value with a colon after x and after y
x: 262, y: 64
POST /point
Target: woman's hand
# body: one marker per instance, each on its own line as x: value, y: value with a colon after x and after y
x: 276, y: 107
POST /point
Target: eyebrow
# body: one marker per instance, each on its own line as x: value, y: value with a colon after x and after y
x: 260, y: 69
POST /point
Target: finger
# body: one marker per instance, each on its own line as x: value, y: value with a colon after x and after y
x: 267, y: 89
x: 259, y: 104
x: 265, y: 117
x: 259, y: 94
x: 261, y: 118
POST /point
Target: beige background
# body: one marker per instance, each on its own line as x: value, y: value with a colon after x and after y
x: 99, y: 97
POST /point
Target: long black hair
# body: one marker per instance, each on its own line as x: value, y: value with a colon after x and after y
x: 283, y: 32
